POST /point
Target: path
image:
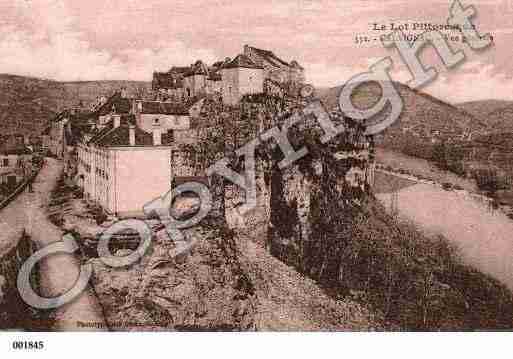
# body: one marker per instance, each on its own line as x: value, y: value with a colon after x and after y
x: 57, y: 272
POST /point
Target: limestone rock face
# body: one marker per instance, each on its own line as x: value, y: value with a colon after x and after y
x: 314, y: 201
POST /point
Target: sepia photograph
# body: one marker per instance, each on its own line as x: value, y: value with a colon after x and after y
x: 308, y: 167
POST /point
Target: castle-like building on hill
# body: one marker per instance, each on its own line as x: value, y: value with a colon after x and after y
x: 252, y: 72
x: 128, y: 150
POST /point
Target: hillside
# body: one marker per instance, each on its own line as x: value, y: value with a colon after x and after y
x: 501, y: 120
x: 482, y: 108
x: 423, y: 119
x: 495, y: 149
x: 27, y: 103
x: 496, y: 114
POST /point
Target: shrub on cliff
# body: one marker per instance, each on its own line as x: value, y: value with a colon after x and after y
x: 419, y: 283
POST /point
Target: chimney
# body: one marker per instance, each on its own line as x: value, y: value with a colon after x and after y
x: 131, y: 135
x: 246, y: 50
x: 157, y: 135
x: 117, y: 120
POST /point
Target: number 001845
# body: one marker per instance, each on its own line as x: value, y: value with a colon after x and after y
x: 28, y: 345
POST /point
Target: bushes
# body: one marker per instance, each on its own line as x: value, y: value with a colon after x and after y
x: 487, y: 180
x: 447, y: 186
x: 449, y: 157
x: 417, y: 283
x: 439, y: 156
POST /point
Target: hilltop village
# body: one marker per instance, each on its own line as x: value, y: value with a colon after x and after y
x: 254, y: 71
x: 125, y: 151
x: 324, y: 247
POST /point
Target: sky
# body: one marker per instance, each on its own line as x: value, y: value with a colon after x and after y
x: 127, y: 39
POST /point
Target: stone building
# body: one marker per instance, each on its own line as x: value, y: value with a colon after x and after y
x: 132, y: 157
x: 170, y: 116
x: 170, y: 83
x: 122, y: 167
x: 195, y: 80
x: 118, y: 103
x: 15, y: 163
x: 241, y: 76
x: 54, y: 140
x: 275, y: 68
x: 247, y: 73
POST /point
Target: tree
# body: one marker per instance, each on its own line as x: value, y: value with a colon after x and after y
x: 439, y: 155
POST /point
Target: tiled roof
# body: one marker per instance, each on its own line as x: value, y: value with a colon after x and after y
x: 270, y: 57
x: 78, y: 125
x: 179, y: 69
x: 120, y: 136
x: 122, y: 105
x: 242, y: 61
x: 105, y: 130
x: 199, y: 68
x: 165, y: 108
x: 167, y: 80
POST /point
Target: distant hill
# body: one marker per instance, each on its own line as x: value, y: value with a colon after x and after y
x: 497, y: 115
x: 494, y: 148
x: 424, y: 118
x: 501, y: 120
x: 483, y: 107
x: 26, y: 103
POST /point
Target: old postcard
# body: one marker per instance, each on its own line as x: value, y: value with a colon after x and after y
x: 261, y: 166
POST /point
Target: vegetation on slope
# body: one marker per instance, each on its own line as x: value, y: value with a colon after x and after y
x: 26, y: 103
x: 415, y: 282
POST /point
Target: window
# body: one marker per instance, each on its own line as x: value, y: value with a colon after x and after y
x: 5, y: 162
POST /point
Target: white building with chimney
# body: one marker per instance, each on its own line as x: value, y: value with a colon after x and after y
x: 123, y: 167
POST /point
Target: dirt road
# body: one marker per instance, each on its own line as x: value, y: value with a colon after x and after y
x: 59, y: 272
